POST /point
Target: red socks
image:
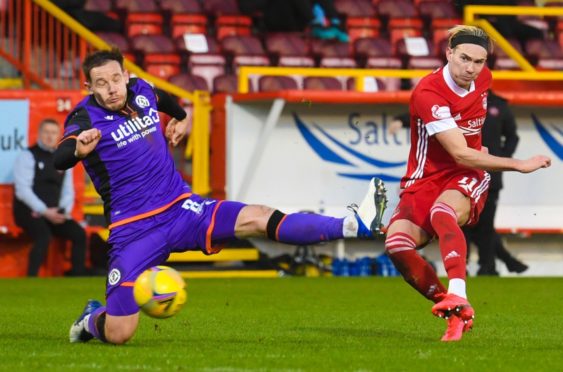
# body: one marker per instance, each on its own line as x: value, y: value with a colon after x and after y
x: 401, y: 248
x: 452, y: 241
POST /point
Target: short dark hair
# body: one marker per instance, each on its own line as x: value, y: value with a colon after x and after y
x: 100, y: 58
x: 48, y: 121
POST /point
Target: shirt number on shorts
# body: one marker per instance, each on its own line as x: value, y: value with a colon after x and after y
x: 192, y: 206
x: 467, y: 183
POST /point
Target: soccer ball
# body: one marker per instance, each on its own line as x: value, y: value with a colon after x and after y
x: 160, y: 292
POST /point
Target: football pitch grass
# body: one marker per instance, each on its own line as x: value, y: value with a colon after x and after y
x: 290, y: 324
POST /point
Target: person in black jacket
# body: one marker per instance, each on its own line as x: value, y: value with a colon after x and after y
x: 43, y: 200
x: 499, y: 136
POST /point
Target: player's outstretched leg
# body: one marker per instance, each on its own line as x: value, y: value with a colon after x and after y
x: 370, y: 212
x: 78, y: 331
x: 311, y: 228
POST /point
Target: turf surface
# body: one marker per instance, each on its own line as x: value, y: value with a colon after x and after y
x: 329, y: 324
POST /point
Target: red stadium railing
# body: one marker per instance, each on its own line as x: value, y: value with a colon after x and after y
x: 40, y: 46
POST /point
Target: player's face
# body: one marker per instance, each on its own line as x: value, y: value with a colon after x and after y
x: 49, y: 135
x: 465, y: 63
x: 108, y: 84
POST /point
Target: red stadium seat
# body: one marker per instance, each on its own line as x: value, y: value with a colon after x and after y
x: 377, y: 53
x: 159, y: 55
x: 99, y: 5
x: 362, y: 27
x: 227, y: 84
x: 116, y: 39
x: 361, y: 18
x: 355, y: 8
x: 423, y: 63
x: 120, y: 41
x: 372, y: 47
x: 142, y: 17
x: 229, y: 25
x: 220, y: 7
x: 242, y: 45
x: 333, y: 54
x: 402, y: 51
x: 289, y: 49
x: 189, y: 82
x: 321, y: 83
x: 138, y: 6
x: 550, y: 64
x: 372, y: 84
x: 430, y: 10
x: 390, y: 83
x: 181, y: 6
x: 401, y: 17
x: 540, y: 48
x: 245, y: 51
x: 144, y: 24
x: 183, y: 23
x: 502, y: 61
x: 186, y: 16
x: 276, y: 83
x: 104, y: 6
x: 208, y: 64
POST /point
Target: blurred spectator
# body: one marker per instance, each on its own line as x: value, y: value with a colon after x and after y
x: 43, y: 200
x: 296, y: 15
x: 92, y: 20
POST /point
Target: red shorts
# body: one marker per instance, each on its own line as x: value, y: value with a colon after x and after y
x: 415, y: 205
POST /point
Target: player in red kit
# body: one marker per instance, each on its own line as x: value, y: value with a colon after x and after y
x: 446, y: 182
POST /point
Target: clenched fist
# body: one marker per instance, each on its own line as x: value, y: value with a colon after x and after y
x: 86, y: 142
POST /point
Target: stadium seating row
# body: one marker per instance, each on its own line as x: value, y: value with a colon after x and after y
x: 185, y: 40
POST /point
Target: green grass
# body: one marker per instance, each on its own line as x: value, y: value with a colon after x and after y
x: 325, y: 324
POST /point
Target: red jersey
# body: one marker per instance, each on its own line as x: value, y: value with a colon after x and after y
x: 438, y: 104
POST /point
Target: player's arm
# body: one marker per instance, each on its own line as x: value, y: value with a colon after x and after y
x: 177, y: 127
x: 78, y: 141
x: 454, y: 143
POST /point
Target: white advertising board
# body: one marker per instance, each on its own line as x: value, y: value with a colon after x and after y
x: 319, y: 157
x: 13, y: 135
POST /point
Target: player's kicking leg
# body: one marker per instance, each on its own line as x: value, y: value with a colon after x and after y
x: 312, y: 228
x: 370, y: 212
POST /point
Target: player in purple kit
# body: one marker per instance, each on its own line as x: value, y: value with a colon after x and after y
x: 151, y: 211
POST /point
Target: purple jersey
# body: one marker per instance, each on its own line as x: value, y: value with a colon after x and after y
x: 130, y: 167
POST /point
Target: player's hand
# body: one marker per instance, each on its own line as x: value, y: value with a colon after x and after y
x: 53, y: 215
x: 484, y: 149
x: 176, y: 130
x: 534, y: 163
x: 394, y: 126
x: 86, y: 142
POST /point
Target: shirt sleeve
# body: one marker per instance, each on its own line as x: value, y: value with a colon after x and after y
x: 169, y: 106
x: 434, y: 111
x: 67, y: 193
x: 77, y: 122
x: 24, y: 172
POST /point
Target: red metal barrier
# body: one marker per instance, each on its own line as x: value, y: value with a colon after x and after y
x: 46, y: 52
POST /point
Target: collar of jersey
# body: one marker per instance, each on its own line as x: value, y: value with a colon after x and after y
x: 462, y: 92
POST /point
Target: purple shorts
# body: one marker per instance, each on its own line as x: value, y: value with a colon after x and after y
x: 190, y: 224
